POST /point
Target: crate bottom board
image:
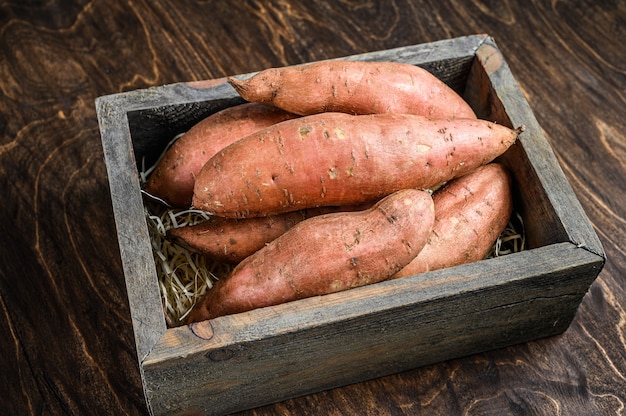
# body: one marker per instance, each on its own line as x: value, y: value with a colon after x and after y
x: 248, y: 362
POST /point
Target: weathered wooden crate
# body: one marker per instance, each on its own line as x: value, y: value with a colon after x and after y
x: 271, y: 354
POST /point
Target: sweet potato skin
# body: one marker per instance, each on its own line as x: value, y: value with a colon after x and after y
x: 230, y: 240
x: 354, y: 87
x: 174, y: 176
x: 325, y: 254
x: 470, y: 213
x: 342, y: 159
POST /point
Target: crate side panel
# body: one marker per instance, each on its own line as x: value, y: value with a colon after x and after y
x: 546, y: 169
x: 132, y: 233
x: 541, y: 222
x: 403, y: 324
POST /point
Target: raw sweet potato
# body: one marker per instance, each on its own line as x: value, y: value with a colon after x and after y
x: 354, y: 87
x: 173, y: 178
x: 231, y: 240
x: 325, y: 254
x: 470, y: 213
x: 342, y: 159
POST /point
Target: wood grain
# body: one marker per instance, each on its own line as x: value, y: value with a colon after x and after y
x: 65, y: 316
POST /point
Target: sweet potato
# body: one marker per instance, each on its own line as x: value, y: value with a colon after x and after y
x: 342, y: 159
x: 325, y: 254
x: 173, y: 178
x: 470, y: 213
x: 354, y: 87
x: 231, y: 240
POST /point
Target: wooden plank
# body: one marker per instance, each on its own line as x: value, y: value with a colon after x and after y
x: 133, y: 238
x: 115, y: 112
x: 250, y: 359
x: 555, y: 202
x: 541, y: 221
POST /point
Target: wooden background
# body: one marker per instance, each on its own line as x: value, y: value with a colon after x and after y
x: 65, y: 332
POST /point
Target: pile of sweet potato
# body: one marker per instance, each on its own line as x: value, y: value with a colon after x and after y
x: 321, y: 182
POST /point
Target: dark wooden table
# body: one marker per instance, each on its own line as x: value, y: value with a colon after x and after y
x: 66, y: 338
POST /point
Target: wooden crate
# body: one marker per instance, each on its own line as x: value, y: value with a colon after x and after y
x: 246, y: 360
